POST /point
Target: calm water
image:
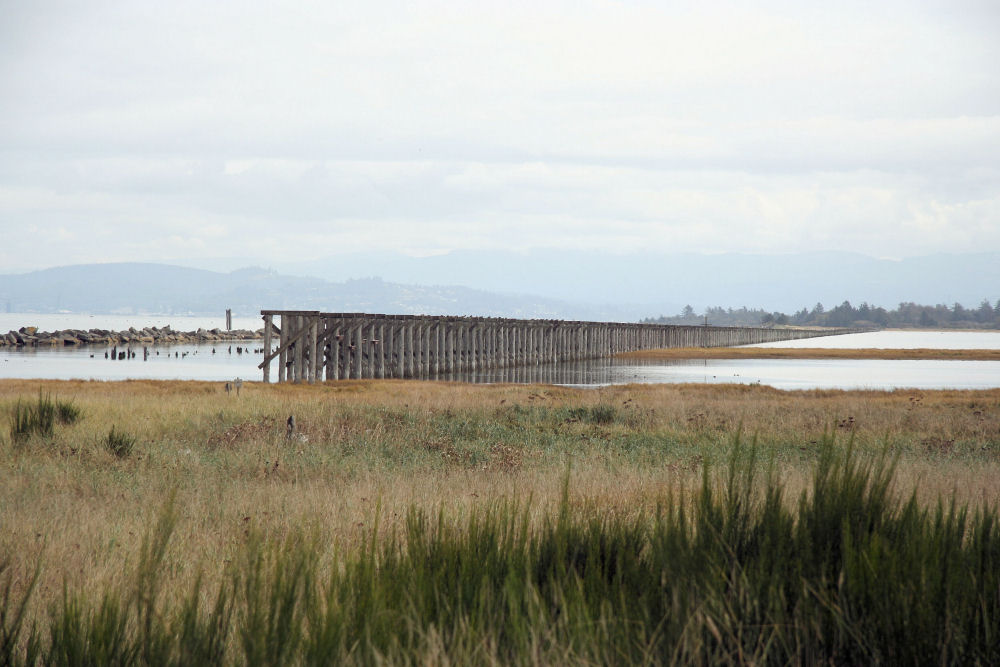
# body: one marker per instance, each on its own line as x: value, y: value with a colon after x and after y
x: 197, y: 362
x: 812, y: 373
x: 901, y: 340
x: 165, y: 362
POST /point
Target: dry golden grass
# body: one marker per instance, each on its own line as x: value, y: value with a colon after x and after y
x: 810, y: 353
x: 364, y: 449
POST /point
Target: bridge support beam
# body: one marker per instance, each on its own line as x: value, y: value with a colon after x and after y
x: 312, y: 346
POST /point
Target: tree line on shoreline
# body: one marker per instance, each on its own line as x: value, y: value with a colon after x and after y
x: 907, y: 314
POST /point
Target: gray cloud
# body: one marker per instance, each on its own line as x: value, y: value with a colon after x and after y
x: 156, y: 130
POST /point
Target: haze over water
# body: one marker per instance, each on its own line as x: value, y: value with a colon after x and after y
x: 899, y: 340
x: 61, y: 321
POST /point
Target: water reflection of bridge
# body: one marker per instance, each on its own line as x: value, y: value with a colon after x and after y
x: 314, y: 346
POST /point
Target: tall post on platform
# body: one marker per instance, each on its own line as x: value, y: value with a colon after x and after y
x: 315, y: 353
x: 438, y: 348
x: 299, y: 344
x: 282, y: 351
x: 461, y: 349
x: 425, y: 349
x: 268, y: 325
x: 371, y: 349
x: 379, y: 348
x: 360, y: 353
x: 344, y: 361
x: 389, y: 348
x: 332, y: 331
x: 409, y: 356
x: 398, y: 342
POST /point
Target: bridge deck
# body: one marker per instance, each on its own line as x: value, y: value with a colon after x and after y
x: 312, y: 346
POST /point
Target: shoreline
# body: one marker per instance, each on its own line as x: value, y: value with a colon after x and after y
x: 915, y: 354
x: 31, y: 337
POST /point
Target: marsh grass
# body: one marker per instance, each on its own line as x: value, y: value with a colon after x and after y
x: 30, y: 419
x: 15, y: 645
x: 850, y: 573
x: 603, y: 413
x: 40, y: 417
x: 67, y: 412
x: 119, y: 443
x: 367, y: 454
x: 23, y: 422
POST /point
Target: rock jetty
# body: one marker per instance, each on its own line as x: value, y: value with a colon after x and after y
x: 30, y: 336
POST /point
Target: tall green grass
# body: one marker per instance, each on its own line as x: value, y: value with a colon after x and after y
x: 850, y: 573
x: 41, y: 416
x: 119, y: 443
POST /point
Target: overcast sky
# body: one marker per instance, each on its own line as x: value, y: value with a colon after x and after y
x: 151, y: 131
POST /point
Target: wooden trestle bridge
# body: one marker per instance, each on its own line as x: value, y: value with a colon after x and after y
x: 312, y: 346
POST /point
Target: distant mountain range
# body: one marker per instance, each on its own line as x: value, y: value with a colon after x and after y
x: 160, y: 288
x: 771, y: 282
x: 653, y: 283
x: 557, y: 284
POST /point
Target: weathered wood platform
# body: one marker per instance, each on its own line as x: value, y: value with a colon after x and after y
x: 312, y: 346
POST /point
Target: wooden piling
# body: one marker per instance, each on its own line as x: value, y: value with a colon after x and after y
x: 313, y: 346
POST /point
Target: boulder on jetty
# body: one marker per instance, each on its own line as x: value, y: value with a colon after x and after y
x: 32, y: 337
